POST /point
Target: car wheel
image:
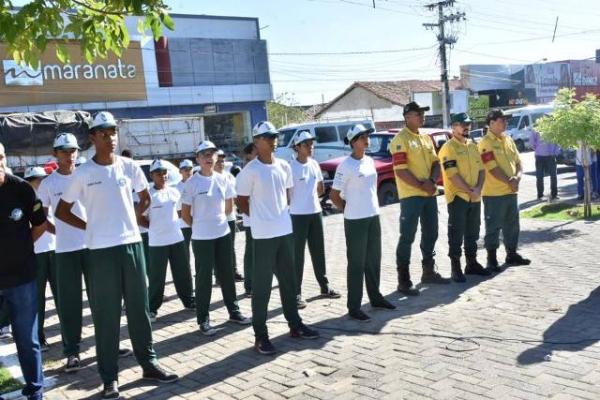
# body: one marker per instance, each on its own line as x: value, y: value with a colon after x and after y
x: 387, y: 194
x: 520, y: 145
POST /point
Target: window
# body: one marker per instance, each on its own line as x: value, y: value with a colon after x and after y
x: 343, y: 130
x: 326, y: 134
x: 513, y: 121
x: 524, y: 122
x: 285, y: 135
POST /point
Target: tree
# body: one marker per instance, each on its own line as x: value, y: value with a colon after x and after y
x: 285, y: 110
x: 98, y: 25
x: 574, y: 124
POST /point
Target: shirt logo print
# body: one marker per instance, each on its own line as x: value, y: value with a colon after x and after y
x: 121, y: 182
x: 16, y: 214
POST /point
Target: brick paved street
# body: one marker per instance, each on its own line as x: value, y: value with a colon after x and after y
x: 478, y: 340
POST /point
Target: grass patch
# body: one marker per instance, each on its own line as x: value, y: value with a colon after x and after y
x: 7, y: 382
x: 560, y: 212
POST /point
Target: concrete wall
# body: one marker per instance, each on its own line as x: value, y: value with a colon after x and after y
x: 361, y: 103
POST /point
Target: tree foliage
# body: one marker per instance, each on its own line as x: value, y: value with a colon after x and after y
x: 98, y: 25
x: 285, y: 110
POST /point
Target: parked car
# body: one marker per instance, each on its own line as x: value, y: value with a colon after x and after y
x: 567, y: 157
x: 476, y: 135
x: 387, y: 191
x: 521, y: 121
x: 329, y: 136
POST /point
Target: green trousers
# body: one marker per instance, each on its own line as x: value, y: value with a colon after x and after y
x: 501, y: 214
x: 363, y: 250
x: 248, y: 260
x: 464, y: 220
x: 232, y: 228
x: 70, y: 267
x: 309, y: 228
x: 117, y: 273
x: 412, y: 210
x: 214, y: 254
x: 273, y: 256
x: 187, y: 238
x: 146, y: 249
x: 174, y: 255
x: 46, y: 273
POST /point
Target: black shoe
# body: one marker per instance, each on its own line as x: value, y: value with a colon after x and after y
x: 330, y: 294
x: 514, y: 259
x: 248, y: 293
x: 359, y: 315
x: 238, y: 318
x: 207, y: 330
x: 303, y: 332
x: 383, y: 304
x: 433, y: 277
x: 190, y: 305
x: 111, y: 390
x: 492, y: 263
x: 44, y: 346
x: 264, y: 346
x: 73, y: 363
x: 457, y: 274
x: 474, y: 268
x: 157, y: 374
x: 238, y: 277
x: 408, y: 289
x: 123, y: 353
x: 301, y: 304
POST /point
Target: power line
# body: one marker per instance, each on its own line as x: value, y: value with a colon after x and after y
x: 357, y: 52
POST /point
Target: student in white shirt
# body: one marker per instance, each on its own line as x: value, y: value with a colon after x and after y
x: 249, y: 155
x: 262, y: 188
x: 185, y: 170
x: 207, y: 199
x: 354, y: 192
x: 44, y: 249
x: 232, y: 216
x: 166, y: 243
x: 307, y: 221
x: 104, y: 186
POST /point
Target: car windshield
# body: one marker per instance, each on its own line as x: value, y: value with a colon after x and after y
x: 513, y: 122
x: 378, y: 144
x: 285, y: 135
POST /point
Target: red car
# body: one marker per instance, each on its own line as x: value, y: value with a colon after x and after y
x: 387, y: 191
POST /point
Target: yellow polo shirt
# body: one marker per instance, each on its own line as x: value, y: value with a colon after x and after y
x: 415, y: 152
x: 498, y: 152
x: 462, y: 159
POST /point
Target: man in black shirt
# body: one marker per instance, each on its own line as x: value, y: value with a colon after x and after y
x: 22, y: 221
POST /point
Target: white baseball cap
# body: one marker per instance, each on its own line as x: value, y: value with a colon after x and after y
x: 159, y: 165
x: 205, y: 145
x: 264, y: 128
x: 103, y: 120
x: 220, y: 153
x: 186, y: 164
x: 356, y: 130
x: 34, y: 172
x: 303, y: 136
x: 65, y: 141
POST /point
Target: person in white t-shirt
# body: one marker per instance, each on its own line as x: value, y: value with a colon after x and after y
x: 306, y: 212
x: 166, y: 243
x: 116, y: 269
x: 249, y: 155
x: 262, y: 188
x: 185, y: 170
x: 231, y: 217
x: 354, y: 191
x: 206, y: 201
x: 44, y: 249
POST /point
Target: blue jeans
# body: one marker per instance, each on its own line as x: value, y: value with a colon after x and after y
x: 23, y: 307
x: 593, y: 178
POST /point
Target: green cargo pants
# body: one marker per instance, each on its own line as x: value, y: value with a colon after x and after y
x: 46, y: 273
x: 232, y: 229
x: 187, y: 238
x: 214, y: 254
x: 363, y: 250
x: 273, y: 256
x: 146, y: 248
x: 70, y: 267
x: 412, y: 210
x: 464, y: 220
x: 248, y: 260
x: 501, y: 214
x: 117, y: 273
x: 309, y: 228
x: 174, y: 255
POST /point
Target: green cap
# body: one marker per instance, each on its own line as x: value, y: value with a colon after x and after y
x: 461, y: 118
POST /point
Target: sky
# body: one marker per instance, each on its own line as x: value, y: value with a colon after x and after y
x: 393, y: 43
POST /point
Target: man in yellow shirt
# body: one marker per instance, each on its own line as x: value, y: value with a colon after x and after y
x: 417, y: 168
x: 463, y: 174
x: 503, y: 172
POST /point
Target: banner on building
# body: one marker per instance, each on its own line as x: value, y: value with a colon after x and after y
x: 479, y: 106
x: 547, y: 79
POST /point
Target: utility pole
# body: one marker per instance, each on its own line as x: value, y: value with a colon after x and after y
x: 443, y: 41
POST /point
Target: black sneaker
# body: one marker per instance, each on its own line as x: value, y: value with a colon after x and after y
x: 124, y: 353
x: 238, y: 277
x: 359, y: 315
x: 111, y: 390
x: 44, y: 346
x: 248, y: 293
x: 207, y: 330
x: 238, y: 318
x: 157, y: 374
x: 264, y: 346
x: 73, y: 364
x: 408, y: 289
x: 515, y: 260
x: 190, y: 305
x: 301, y: 304
x: 330, y: 294
x: 383, y: 304
x: 303, y: 332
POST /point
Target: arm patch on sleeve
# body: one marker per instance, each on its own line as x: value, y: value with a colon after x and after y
x: 449, y: 164
x: 399, y: 159
x: 487, y: 156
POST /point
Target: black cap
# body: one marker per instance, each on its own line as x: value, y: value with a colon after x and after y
x: 414, y: 106
x: 494, y: 114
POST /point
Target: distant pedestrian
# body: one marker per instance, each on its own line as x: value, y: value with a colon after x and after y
x: 592, y: 161
x: 545, y: 164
